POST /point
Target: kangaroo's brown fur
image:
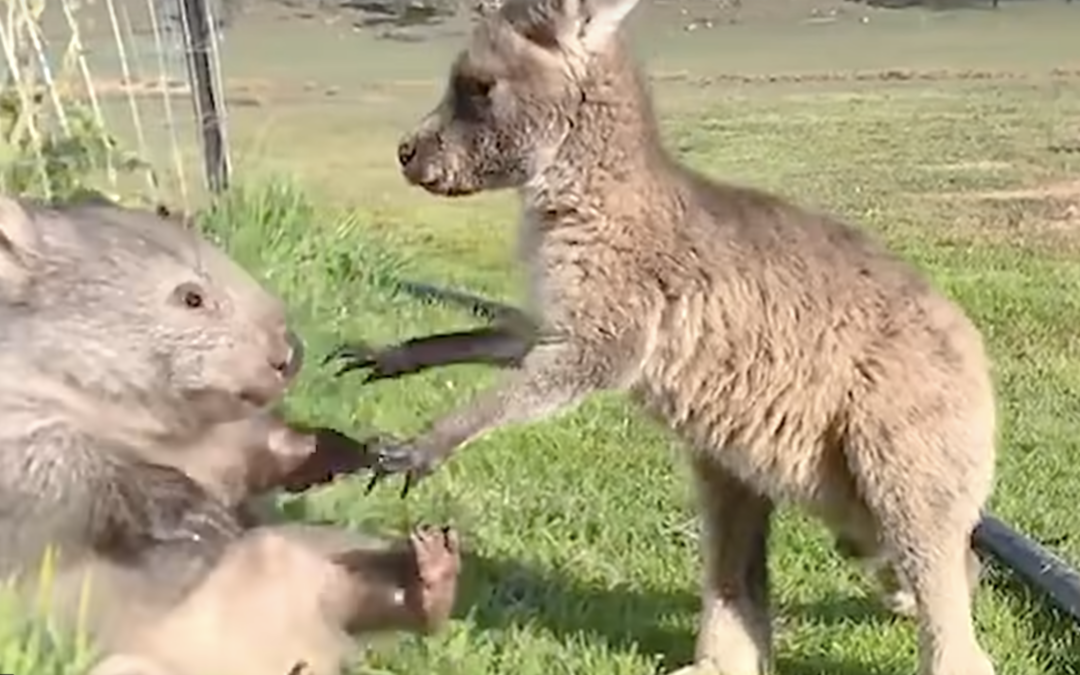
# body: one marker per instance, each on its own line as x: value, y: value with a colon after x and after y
x: 798, y: 358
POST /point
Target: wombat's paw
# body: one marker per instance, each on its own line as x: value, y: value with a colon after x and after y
x: 899, y: 602
x: 438, y: 553
x: 300, y: 668
x: 438, y: 563
x: 291, y: 446
x: 394, y: 457
x: 703, y: 668
x: 125, y: 664
x: 706, y: 667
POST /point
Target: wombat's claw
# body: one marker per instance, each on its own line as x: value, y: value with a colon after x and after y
x: 394, y: 458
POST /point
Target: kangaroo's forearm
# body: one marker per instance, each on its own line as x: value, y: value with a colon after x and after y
x: 499, y: 346
x: 492, y: 310
x: 553, y: 378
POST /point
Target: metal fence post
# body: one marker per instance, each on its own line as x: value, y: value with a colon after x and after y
x: 205, y: 97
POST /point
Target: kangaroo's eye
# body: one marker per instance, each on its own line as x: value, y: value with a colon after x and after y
x: 473, y: 88
x: 472, y: 100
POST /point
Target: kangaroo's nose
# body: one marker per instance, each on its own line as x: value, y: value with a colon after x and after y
x: 406, y: 151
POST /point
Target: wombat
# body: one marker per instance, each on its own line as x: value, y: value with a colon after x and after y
x: 140, y: 363
x: 287, y: 594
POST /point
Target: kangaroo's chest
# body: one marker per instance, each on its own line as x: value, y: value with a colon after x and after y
x: 748, y: 399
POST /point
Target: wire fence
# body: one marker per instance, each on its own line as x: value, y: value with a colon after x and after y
x: 127, y: 97
x: 97, y: 96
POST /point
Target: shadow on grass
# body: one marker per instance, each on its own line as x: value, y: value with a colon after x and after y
x: 1055, y: 635
x: 499, y: 593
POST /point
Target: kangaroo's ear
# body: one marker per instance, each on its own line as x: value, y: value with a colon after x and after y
x: 577, y: 27
x: 600, y: 20
x: 551, y: 24
x: 19, y: 242
x: 485, y: 8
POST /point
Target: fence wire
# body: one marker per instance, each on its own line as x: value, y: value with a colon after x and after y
x: 97, y: 96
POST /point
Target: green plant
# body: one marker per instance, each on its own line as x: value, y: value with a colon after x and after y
x: 56, y: 165
x: 52, y: 142
x: 31, y: 641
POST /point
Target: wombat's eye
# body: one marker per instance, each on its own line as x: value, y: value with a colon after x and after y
x: 190, y: 295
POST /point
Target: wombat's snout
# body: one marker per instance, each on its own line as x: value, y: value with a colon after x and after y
x: 290, y: 360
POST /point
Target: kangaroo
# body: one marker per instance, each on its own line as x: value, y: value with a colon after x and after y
x: 141, y: 364
x: 799, y: 359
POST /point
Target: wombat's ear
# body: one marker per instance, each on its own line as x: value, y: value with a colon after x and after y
x: 18, y: 241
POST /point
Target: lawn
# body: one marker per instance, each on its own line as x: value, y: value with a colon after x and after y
x: 580, y: 535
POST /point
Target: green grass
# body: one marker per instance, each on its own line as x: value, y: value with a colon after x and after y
x: 580, y: 532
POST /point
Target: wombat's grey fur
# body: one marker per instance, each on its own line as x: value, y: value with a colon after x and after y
x: 120, y: 332
x: 799, y: 359
x: 139, y: 363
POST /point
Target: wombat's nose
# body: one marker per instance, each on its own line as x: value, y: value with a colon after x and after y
x: 289, y: 362
x: 406, y: 151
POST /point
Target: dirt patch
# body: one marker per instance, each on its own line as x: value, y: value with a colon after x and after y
x: 1064, y: 191
x: 986, y: 165
x: 886, y: 75
x: 1045, y: 217
x: 251, y: 92
x: 262, y: 91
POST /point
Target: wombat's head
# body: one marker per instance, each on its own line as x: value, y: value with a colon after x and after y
x: 515, y: 92
x: 136, y: 308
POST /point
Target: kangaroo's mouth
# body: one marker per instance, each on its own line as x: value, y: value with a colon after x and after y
x: 437, y: 185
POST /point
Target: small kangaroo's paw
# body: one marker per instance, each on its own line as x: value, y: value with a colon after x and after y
x: 397, y: 458
x: 382, y: 363
x: 335, y: 455
x: 353, y: 356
